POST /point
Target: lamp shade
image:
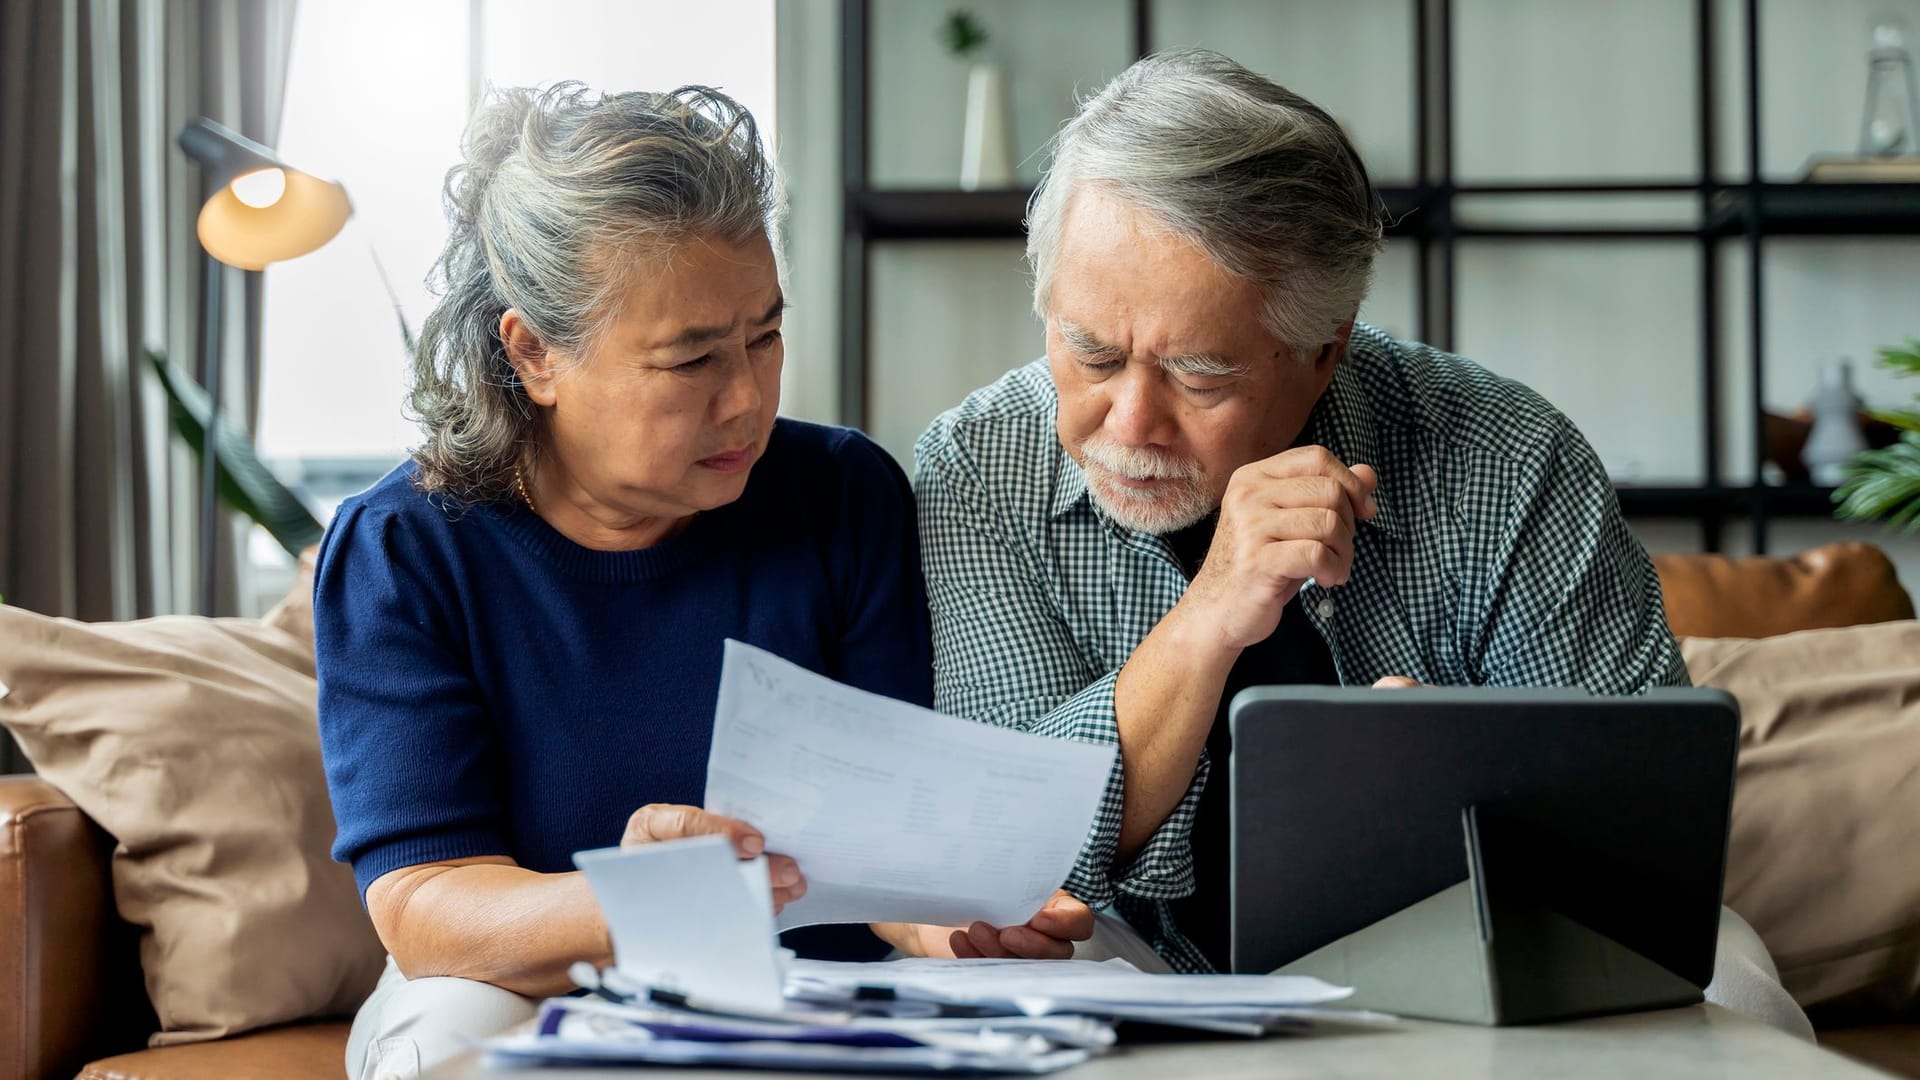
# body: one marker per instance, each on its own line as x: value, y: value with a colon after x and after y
x: 263, y: 211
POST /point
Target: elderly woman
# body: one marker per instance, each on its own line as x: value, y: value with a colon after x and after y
x: 519, y: 631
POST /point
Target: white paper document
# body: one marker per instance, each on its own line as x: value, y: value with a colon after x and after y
x: 689, y: 917
x: 897, y: 813
x: 1114, y: 989
x: 1037, y: 987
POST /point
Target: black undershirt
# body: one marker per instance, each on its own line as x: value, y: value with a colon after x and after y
x: 1294, y: 654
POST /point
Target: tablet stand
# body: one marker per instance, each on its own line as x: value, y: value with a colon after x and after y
x: 1494, y: 949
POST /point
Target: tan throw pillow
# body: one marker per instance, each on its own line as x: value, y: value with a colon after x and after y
x: 193, y: 743
x: 294, y: 612
x: 1824, y: 859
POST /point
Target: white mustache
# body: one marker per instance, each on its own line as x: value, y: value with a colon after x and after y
x: 1138, y: 463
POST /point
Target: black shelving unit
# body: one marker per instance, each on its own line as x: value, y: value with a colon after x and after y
x: 1425, y: 214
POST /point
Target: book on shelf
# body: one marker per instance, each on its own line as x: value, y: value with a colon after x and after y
x: 1864, y: 170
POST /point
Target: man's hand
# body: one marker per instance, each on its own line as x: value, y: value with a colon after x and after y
x: 1049, y: 935
x: 671, y: 821
x: 1396, y: 682
x: 1283, y: 520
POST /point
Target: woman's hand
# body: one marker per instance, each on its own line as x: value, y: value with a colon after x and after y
x: 1049, y: 935
x: 671, y: 821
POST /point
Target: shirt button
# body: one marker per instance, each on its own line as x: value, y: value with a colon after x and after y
x: 1325, y: 607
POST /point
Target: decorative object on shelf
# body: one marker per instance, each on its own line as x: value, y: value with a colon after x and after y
x: 1884, y: 484
x: 986, y: 156
x: 1835, y: 437
x: 1786, y: 436
x: 1887, y: 127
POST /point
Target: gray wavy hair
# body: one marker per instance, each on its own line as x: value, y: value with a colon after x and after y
x: 563, y: 197
x: 1259, y: 178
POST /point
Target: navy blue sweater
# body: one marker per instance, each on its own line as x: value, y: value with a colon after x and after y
x: 489, y: 687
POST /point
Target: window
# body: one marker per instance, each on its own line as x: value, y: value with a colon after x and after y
x: 377, y: 96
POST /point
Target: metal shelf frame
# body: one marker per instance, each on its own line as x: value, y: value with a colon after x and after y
x: 1425, y: 213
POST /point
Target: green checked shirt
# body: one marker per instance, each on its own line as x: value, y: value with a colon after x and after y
x: 1498, y: 557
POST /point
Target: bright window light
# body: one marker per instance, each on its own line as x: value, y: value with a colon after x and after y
x: 377, y: 96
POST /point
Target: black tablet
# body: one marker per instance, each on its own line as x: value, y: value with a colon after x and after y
x: 1389, y: 837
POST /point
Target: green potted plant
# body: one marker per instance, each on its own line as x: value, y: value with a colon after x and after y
x: 1884, y: 484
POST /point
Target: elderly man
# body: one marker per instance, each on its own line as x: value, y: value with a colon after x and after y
x: 1217, y: 478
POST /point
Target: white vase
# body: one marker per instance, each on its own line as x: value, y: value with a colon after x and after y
x: 986, y: 158
x: 1835, y: 437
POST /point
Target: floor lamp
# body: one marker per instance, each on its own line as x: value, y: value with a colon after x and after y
x: 261, y: 211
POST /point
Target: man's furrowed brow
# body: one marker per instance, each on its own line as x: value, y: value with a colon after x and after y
x: 1204, y: 366
x: 1083, y: 341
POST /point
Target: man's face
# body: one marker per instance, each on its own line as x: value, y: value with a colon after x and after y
x: 1167, y: 380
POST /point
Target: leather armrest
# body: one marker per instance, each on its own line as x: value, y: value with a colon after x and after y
x: 58, y: 934
x: 1845, y: 584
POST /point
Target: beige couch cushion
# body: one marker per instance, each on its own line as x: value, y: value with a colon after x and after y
x: 193, y: 743
x: 1824, y: 859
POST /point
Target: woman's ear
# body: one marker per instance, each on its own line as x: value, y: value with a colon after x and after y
x: 531, y: 359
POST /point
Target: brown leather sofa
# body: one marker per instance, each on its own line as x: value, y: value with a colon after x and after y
x: 72, y: 1002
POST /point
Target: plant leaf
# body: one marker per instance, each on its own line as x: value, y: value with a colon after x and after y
x: 1902, y: 359
x: 962, y: 33
x: 1884, y: 484
x: 1904, y: 419
x: 244, y: 483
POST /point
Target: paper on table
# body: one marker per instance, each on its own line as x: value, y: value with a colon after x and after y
x: 586, y: 1032
x: 897, y: 813
x: 1079, y: 982
x: 690, y: 917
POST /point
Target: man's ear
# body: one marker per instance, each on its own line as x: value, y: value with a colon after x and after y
x: 1328, y: 358
x: 532, y: 361
x: 1330, y: 353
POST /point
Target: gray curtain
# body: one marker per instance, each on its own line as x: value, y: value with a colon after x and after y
x: 98, y: 263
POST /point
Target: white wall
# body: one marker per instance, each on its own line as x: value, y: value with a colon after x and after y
x: 807, y: 144
x: 950, y: 316
x: 1608, y: 331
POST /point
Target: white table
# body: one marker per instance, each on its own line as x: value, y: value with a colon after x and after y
x: 1701, y: 1041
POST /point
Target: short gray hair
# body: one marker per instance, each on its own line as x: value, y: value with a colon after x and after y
x: 562, y: 197
x: 1258, y: 177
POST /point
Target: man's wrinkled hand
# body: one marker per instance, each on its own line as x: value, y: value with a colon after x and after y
x: 673, y: 821
x: 1283, y: 520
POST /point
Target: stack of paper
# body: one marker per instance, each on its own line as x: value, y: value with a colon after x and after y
x: 1007, y: 1016
x: 1113, y: 989
x: 580, y: 1031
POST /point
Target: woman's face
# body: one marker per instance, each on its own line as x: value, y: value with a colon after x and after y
x: 674, y: 401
